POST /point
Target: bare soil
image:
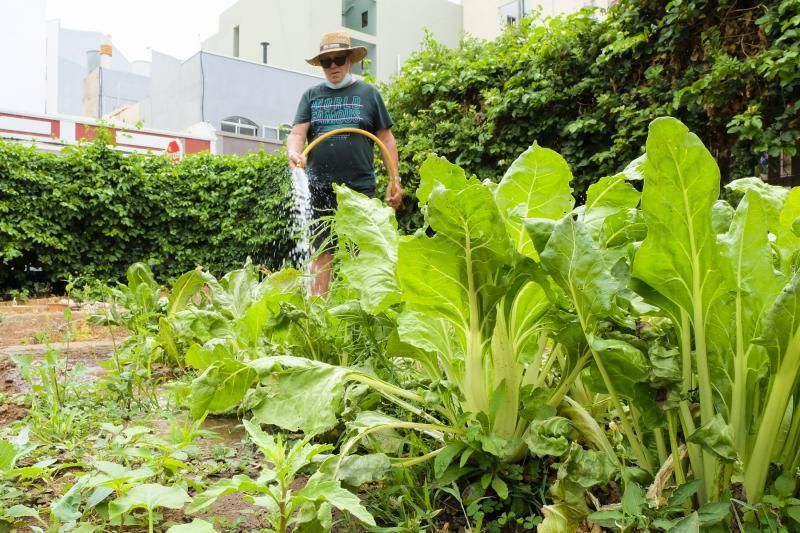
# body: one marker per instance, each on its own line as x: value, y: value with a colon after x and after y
x: 43, y: 321
x: 34, y: 326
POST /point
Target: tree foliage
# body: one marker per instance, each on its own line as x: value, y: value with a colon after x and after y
x: 588, y: 87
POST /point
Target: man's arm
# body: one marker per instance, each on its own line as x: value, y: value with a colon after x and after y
x: 295, y: 144
x: 387, y: 138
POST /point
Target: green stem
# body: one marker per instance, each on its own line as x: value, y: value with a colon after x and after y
x: 661, y: 445
x: 677, y: 464
x: 418, y: 460
x: 392, y: 392
x: 568, y: 381
x: 686, y: 418
x: 739, y: 393
x: 704, y: 380
x: 774, y: 411
x: 790, y: 443
x: 638, y: 449
x: 475, y: 393
x: 345, y: 449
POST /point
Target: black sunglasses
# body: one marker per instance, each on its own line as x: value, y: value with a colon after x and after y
x: 326, y: 62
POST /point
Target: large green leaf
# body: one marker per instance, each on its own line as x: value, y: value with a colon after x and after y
x: 587, y: 468
x: 238, y: 483
x: 372, y: 228
x: 773, y: 197
x: 221, y: 387
x: 322, y: 488
x: 582, y: 271
x: 716, y: 436
x: 469, y: 217
x: 431, y: 276
x: 299, y: 394
x: 606, y: 197
x: 625, y: 365
x: 788, y: 242
x: 8, y: 456
x: 549, y: 437
x: 536, y: 185
x: 149, y: 496
x: 757, y: 283
x: 680, y: 257
x: 437, y: 170
x: 184, y: 289
x: 66, y: 508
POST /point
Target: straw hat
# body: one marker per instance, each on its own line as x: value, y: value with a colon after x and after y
x: 334, y: 42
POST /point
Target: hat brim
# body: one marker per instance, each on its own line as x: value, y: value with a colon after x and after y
x: 358, y: 53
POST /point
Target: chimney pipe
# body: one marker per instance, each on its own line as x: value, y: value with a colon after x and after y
x: 92, y: 60
x: 264, y: 47
x: 105, y: 55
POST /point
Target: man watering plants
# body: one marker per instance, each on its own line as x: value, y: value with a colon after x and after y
x: 346, y: 158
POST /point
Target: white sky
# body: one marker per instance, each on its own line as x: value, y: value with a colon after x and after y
x: 174, y: 27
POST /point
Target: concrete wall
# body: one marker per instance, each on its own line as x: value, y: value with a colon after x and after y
x: 69, y: 88
x: 552, y: 8
x: 402, y: 25
x: 121, y: 88
x: 264, y: 94
x: 23, y: 61
x: 481, y: 18
x: 230, y: 143
x: 210, y: 88
x: 293, y: 30
x: 176, y: 93
x: 486, y: 18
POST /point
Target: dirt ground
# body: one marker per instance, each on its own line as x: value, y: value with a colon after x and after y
x: 30, y: 327
x: 43, y: 320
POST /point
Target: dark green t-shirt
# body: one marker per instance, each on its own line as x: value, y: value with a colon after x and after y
x: 345, y: 158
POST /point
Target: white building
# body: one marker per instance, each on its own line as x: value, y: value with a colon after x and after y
x: 487, y: 18
x: 289, y: 32
x: 23, y: 37
x: 286, y: 33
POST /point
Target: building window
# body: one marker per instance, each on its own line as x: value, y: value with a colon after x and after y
x: 239, y: 126
x: 360, y: 15
x: 236, y: 41
x: 277, y: 133
x: 510, y: 20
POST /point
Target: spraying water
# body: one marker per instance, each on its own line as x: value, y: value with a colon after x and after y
x: 302, y: 214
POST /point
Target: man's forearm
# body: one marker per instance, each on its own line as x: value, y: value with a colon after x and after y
x: 295, y: 143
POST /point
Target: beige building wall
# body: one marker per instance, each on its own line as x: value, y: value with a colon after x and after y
x: 287, y: 26
x: 402, y: 25
x: 486, y: 18
x: 293, y: 30
x: 481, y: 18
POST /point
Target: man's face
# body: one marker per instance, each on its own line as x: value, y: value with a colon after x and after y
x: 333, y: 72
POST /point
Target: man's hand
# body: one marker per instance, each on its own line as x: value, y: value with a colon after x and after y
x: 395, y: 200
x: 296, y: 159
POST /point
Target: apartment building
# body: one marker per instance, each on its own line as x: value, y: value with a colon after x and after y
x: 284, y: 33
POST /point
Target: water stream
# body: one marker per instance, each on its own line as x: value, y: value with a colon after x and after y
x: 302, y: 214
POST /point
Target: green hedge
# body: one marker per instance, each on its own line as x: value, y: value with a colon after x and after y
x: 93, y: 211
x: 588, y: 88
